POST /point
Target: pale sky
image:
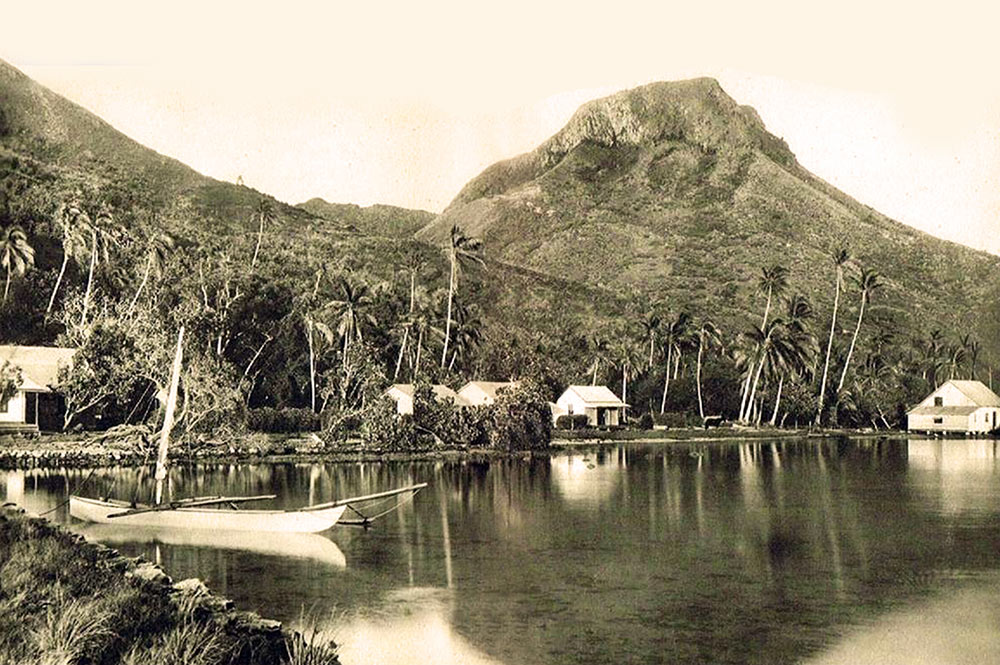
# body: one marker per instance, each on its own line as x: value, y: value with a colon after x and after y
x: 895, y: 103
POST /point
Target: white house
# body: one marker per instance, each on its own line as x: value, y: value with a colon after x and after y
x: 402, y: 395
x: 483, y: 393
x: 601, y: 406
x: 39, y: 367
x: 956, y: 406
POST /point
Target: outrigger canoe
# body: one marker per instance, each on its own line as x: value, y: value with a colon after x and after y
x: 198, y: 513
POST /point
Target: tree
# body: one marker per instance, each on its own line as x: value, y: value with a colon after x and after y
x: 708, y: 337
x: 74, y: 223
x: 467, y: 333
x: 264, y: 214
x: 463, y: 250
x: 840, y: 259
x: 158, y: 248
x: 773, y: 282
x: 868, y: 281
x: 16, y: 255
x: 628, y: 358
x: 351, y: 312
x: 675, y: 334
x: 99, y: 238
x: 651, y: 325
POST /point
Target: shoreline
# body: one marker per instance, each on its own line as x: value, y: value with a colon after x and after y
x: 58, y: 451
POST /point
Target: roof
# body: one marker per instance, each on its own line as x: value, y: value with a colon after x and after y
x: 441, y: 392
x: 597, y: 395
x: 489, y: 387
x: 977, y: 392
x: 943, y: 410
x: 39, y: 364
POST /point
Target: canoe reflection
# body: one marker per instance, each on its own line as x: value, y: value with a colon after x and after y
x: 311, y: 546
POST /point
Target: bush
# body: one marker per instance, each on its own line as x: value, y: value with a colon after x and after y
x: 383, y: 428
x: 575, y: 421
x: 646, y: 420
x: 284, y: 420
x: 674, y: 419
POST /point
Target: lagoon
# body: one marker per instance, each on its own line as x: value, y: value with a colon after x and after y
x: 784, y: 551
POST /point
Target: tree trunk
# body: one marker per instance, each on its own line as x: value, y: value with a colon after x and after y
x: 829, y: 347
x: 90, y: 280
x: 312, y: 366
x: 7, y: 285
x: 260, y: 236
x: 777, y: 401
x: 666, y: 381
x: 402, y: 350
x: 746, y: 393
x: 850, y: 351
x: 145, y: 276
x: 416, y: 363
x: 756, y: 379
x: 651, y: 340
x: 62, y: 271
x: 447, y: 323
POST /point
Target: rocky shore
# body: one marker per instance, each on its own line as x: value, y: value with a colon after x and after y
x: 64, y: 599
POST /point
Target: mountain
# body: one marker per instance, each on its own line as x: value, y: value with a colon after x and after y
x: 675, y: 191
x: 379, y: 220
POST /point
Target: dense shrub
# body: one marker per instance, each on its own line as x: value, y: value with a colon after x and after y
x: 575, y: 421
x: 383, y: 428
x: 646, y: 421
x: 676, y: 419
x: 520, y: 419
x: 284, y: 420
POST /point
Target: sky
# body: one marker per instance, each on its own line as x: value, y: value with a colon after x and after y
x: 895, y: 103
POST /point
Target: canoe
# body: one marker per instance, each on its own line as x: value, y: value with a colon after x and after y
x: 311, y: 519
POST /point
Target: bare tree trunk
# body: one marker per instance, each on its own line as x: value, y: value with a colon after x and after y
x: 312, y: 367
x: 62, y: 271
x: 746, y: 393
x: 90, y: 280
x: 854, y: 339
x: 666, y: 381
x: 697, y: 379
x: 145, y: 276
x: 777, y: 400
x: 402, y: 349
x: 447, y: 323
x: 829, y: 347
x: 260, y: 236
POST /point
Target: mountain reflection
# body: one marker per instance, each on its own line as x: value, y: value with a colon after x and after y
x: 759, y: 551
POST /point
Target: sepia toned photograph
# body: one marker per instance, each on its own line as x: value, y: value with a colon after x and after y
x: 531, y: 333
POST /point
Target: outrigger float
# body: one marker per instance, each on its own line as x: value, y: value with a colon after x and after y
x: 222, y: 512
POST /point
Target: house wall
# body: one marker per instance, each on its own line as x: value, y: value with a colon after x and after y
x: 475, y: 396
x: 571, y: 403
x: 404, y: 403
x: 14, y: 413
x: 951, y: 396
x: 985, y: 419
x: 947, y: 424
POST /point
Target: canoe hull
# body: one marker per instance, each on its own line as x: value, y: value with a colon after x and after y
x: 303, y: 520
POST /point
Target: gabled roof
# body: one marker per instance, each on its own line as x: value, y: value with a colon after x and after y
x: 489, y: 388
x: 977, y: 391
x: 39, y: 364
x: 441, y: 392
x: 597, y: 396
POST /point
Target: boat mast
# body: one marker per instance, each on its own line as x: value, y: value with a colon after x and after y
x: 168, y: 419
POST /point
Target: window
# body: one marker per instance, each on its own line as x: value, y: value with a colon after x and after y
x: 939, y: 401
x: 569, y: 408
x: 939, y: 420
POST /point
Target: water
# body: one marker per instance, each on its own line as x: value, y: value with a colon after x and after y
x: 766, y: 552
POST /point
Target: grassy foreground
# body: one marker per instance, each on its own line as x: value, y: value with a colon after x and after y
x: 65, y: 601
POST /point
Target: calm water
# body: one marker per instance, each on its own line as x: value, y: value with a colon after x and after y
x: 784, y: 552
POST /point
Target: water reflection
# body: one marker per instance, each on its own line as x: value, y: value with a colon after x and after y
x: 763, y: 551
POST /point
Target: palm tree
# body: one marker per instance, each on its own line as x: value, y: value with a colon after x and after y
x: 597, y: 345
x: 651, y: 325
x: 868, y: 282
x: 798, y: 347
x: 16, y: 255
x: 74, y: 223
x: 467, y: 333
x: 773, y: 282
x: 264, y: 214
x: 463, y: 250
x: 674, y: 336
x: 840, y: 259
x: 158, y: 248
x: 350, y: 312
x: 628, y: 358
x: 708, y: 336
x: 768, y: 341
x: 100, y: 239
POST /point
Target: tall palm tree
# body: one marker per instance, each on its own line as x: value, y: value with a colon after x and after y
x: 708, y: 337
x: 798, y: 347
x: 597, y: 345
x: 74, y: 223
x: 100, y: 238
x: 674, y: 336
x: 772, y: 282
x: 158, y: 248
x: 768, y: 342
x: 869, y: 282
x: 651, y: 325
x: 467, y: 333
x: 16, y: 255
x: 840, y: 259
x: 628, y: 358
x: 350, y: 311
x: 463, y: 250
x: 264, y: 214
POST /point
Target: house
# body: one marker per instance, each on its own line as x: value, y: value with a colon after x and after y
x: 956, y: 406
x: 601, y: 406
x: 402, y: 395
x: 34, y: 405
x: 483, y: 393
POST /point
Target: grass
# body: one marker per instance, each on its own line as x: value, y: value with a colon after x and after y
x: 64, y: 601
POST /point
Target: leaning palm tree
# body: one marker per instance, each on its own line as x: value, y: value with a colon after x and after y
x: 158, y: 248
x: 16, y: 255
x: 708, y: 337
x: 840, y: 259
x: 74, y: 223
x: 463, y: 250
x: 264, y: 214
x: 869, y: 282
